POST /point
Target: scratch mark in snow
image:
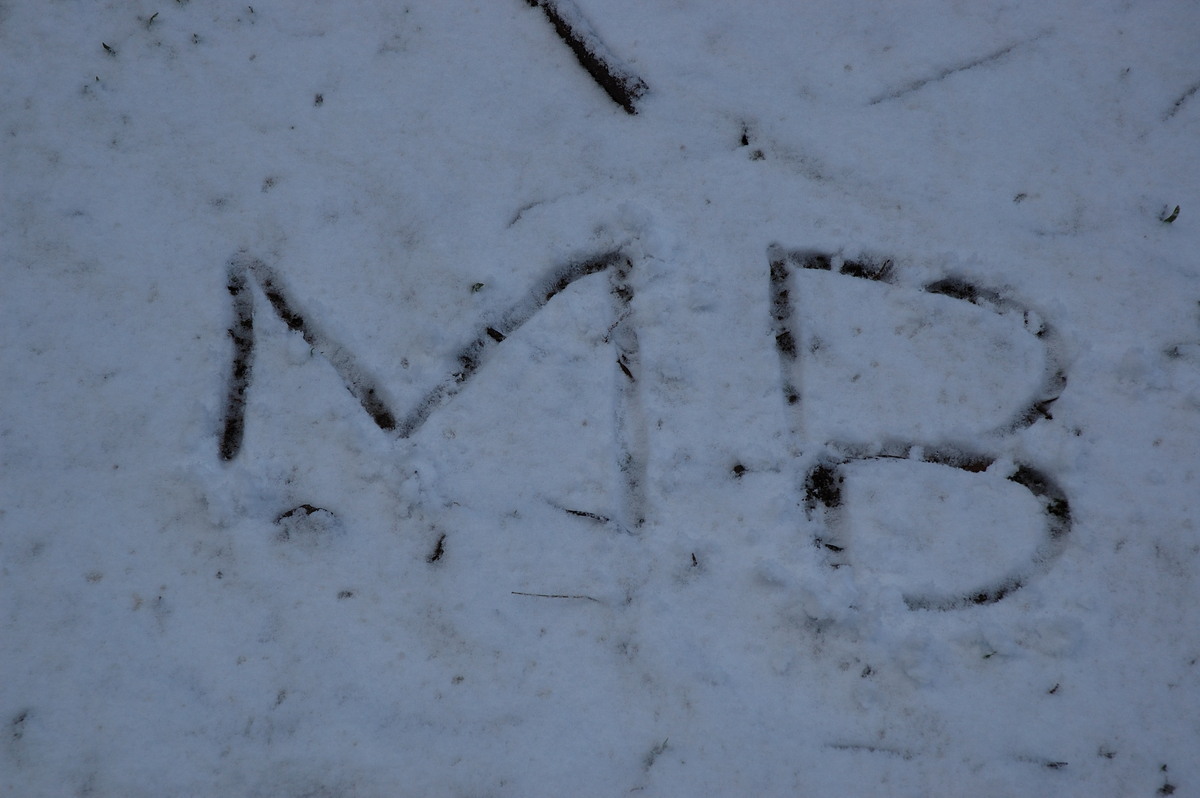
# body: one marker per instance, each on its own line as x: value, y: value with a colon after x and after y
x: 1183, y: 98
x: 919, y: 84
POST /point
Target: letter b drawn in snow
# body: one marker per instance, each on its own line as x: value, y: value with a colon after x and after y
x: 821, y: 482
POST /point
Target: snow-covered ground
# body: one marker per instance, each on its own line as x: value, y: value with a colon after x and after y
x: 642, y: 484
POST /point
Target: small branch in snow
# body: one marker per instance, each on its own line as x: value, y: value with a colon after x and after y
x: 555, y: 596
x: 1052, y: 764
x: 871, y: 749
x: 438, y: 551
x: 600, y: 519
x: 621, y: 84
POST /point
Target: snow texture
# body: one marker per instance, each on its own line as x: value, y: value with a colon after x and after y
x: 393, y: 406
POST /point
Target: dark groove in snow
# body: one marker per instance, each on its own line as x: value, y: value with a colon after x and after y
x: 784, y: 262
x: 472, y: 356
x: 780, y: 273
x: 631, y: 446
x: 356, y: 379
x: 823, y: 494
x: 781, y: 306
x: 1183, y: 98
x: 1054, y: 376
x: 629, y: 417
x: 242, y: 334
x: 822, y: 483
x: 630, y: 424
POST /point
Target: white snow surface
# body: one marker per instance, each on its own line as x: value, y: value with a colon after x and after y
x: 706, y: 621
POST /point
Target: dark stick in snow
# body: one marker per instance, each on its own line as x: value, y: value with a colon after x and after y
x: 554, y: 595
x: 622, y: 85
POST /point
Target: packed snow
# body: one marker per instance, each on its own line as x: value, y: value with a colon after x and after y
x: 391, y: 407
